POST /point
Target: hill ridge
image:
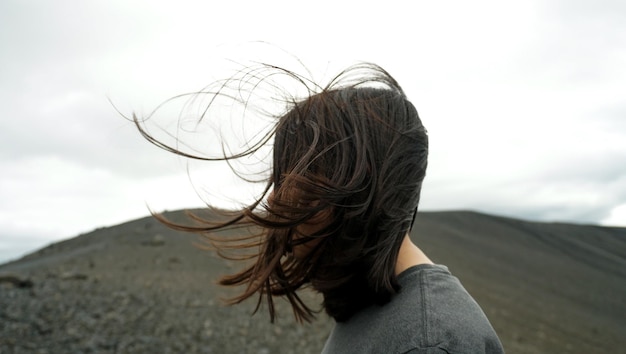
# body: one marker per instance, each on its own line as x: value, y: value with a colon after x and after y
x: 141, y: 287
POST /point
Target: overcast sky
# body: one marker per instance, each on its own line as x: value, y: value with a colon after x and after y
x: 524, y: 101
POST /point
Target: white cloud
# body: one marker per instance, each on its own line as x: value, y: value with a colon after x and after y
x: 617, y: 217
x: 523, y: 101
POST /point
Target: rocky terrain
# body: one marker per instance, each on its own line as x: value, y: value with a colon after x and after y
x: 142, y: 288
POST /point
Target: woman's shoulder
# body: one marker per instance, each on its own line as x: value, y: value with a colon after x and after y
x: 451, y: 318
x: 431, y: 313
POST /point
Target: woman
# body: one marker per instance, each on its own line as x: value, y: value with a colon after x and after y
x: 348, y: 164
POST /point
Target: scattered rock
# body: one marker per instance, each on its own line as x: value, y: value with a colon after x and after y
x: 72, y: 275
x: 17, y: 280
x: 157, y: 240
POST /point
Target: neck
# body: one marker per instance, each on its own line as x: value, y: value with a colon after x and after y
x: 410, y: 255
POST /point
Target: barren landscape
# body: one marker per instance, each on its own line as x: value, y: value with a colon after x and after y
x: 140, y: 287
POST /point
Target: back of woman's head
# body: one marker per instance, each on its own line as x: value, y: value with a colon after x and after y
x: 352, y: 158
x: 348, y: 164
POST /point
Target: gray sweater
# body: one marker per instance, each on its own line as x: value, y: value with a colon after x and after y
x: 432, y: 313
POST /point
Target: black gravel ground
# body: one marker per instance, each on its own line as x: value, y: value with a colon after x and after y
x: 142, y: 288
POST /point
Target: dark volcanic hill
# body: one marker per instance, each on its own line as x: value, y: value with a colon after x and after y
x: 142, y: 288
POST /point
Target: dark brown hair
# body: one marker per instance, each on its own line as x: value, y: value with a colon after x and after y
x: 349, y: 159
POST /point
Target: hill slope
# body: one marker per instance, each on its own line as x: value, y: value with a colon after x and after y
x: 140, y: 287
